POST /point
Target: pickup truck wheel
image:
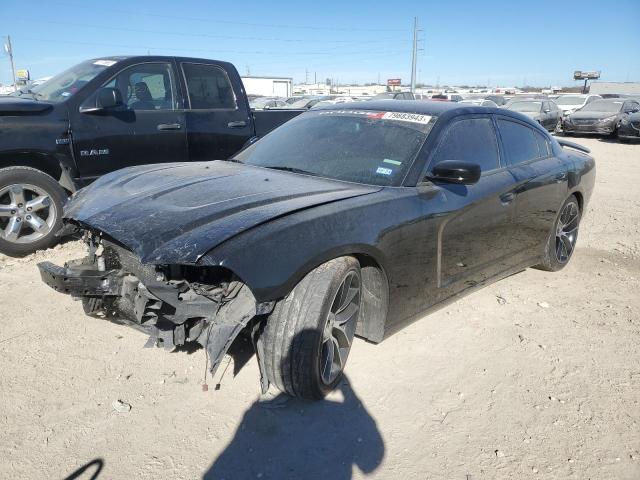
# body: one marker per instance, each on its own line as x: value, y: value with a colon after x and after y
x: 562, y: 239
x: 31, y: 205
x: 307, y: 339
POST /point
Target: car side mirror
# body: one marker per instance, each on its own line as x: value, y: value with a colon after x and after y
x: 546, y: 110
x: 455, y: 171
x: 106, y: 99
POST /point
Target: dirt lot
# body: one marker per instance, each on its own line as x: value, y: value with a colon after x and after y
x: 537, y: 376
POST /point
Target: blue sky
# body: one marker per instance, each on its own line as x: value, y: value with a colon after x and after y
x: 498, y: 42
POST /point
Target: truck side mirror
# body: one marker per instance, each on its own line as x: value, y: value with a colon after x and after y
x: 106, y: 99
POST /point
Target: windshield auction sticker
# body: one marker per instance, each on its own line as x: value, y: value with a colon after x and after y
x: 407, y: 117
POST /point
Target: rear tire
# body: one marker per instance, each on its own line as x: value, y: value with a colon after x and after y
x: 31, y: 204
x: 307, y: 338
x: 562, y: 238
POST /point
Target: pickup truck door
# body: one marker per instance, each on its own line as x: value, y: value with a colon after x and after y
x: 148, y: 128
x: 217, y: 113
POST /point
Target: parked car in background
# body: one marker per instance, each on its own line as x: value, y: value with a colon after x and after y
x: 440, y: 199
x: 629, y: 127
x: 499, y: 100
x: 602, y: 117
x: 334, y: 100
x: 109, y: 113
x: 447, y: 97
x: 545, y: 112
x: 266, y: 103
x: 570, y: 103
x: 307, y: 102
x: 394, y: 96
x: 483, y: 102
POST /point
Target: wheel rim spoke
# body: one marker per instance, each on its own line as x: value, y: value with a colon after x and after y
x: 567, y: 232
x: 327, y: 363
x: 37, y: 223
x: 340, y: 328
x: 38, y: 203
x: 12, y: 230
x: 6, y: 210
x: 17, y: 195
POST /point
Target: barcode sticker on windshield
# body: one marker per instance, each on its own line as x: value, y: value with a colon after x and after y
x: 407, y: 117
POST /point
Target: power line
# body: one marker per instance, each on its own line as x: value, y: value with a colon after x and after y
x: 198, y: 35
x: 189, y: 49
x: 233, y: 22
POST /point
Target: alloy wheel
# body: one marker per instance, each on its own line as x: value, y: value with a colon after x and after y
x: 340, y: 328
x: 27, y: 213
x: 567, y: 231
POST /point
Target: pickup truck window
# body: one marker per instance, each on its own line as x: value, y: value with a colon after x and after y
x: 208, y: 86
x: 67, y: 83
x: 147, y: 86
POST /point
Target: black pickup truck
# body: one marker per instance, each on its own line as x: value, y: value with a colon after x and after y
x: 109, y: 113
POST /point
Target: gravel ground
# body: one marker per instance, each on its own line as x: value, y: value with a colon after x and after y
x: 537, y: 376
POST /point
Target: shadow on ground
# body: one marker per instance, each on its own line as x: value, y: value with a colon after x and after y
x: 289, y: 438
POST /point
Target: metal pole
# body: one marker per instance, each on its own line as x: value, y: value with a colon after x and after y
x: 414, y: 58
x: 13, y: 68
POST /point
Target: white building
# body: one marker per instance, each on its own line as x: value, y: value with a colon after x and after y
x: 629, y: 88
x: 268, y: 86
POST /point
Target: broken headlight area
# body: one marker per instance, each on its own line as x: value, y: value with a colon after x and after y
x: 174, y: 304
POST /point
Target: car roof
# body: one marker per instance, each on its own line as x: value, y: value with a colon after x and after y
x: 427, y: 107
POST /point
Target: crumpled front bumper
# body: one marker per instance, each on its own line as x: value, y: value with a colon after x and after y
x: 79, y: 282
x: 172, y: 310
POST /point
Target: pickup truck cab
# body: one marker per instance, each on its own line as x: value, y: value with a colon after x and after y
x: 109, y: 113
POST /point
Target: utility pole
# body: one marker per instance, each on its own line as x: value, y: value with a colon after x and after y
x: 414, y: 58
x: 9, y: 49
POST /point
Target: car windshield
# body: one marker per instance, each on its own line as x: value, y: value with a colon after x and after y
x: 525, y: 106
x: 363, y: 146
x: 602, y: 106
x: 69, y: 82
x: 570, y: 100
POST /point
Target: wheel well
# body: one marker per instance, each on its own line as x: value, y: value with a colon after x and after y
x: 580, y: 199
x: 40, y: 161
x: 375, y: 290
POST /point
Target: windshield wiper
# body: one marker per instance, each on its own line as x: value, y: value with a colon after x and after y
x: 290, y: 169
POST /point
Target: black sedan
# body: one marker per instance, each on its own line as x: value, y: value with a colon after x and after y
x: 545, y: 112
x: 629, y: 128
x: 346, y: 221
x: 602, y: 117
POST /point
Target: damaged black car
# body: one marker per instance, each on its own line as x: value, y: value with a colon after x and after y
x: 341, y: 223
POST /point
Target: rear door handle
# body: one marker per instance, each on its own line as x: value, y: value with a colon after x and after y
x: 169, y: 126
x: 237, y: 124
x: 507, y: 198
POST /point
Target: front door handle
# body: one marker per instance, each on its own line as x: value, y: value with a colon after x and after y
x: 561, y: 176
x: 507, y: 198
x: 169, y: 126
x: 237, y: 124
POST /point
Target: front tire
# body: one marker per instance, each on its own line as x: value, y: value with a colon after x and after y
x: 31, y: 205
x: 307, y: 339
x: 563, y: 237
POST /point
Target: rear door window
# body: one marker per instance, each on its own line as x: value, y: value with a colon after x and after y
x: 470, y: 140
x: 208, y: 87
x: 520, y: 144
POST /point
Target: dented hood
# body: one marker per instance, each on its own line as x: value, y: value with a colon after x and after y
x: 175, y: 213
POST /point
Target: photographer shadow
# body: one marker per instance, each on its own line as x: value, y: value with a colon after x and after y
x: 287, y: 438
